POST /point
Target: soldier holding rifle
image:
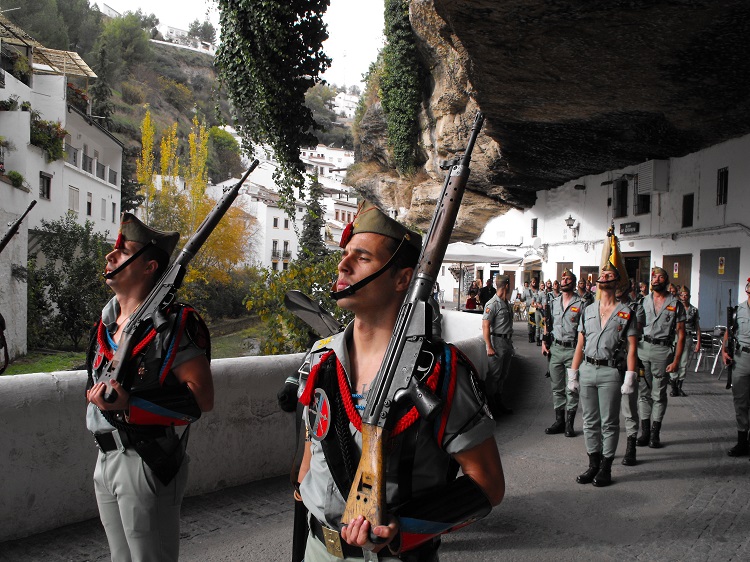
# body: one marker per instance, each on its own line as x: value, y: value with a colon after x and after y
x: 737, y: 350
x: 375, y: 272
x: 141, y: 470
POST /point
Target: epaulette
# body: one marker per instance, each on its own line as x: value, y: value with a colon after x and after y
x: 321, y: 344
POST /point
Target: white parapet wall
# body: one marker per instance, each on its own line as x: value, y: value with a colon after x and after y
x: 47, y: 459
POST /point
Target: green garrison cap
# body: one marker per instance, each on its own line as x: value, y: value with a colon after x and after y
x: 132, y: 229
x: 570, y: 274
x: 660, y: 271
x: 371, y: 219
x: 501, y: 280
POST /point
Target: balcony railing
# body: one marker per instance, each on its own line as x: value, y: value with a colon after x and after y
x: 100, y: 170
x: 71, y: 155
x: 286, y: 254
x: 275, y: 254
x: 113, y: 177
x: 88, y: 164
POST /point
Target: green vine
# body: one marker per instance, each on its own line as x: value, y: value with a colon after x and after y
x: 49, y: 136
x: 270, y: 55
x: 400, y: 86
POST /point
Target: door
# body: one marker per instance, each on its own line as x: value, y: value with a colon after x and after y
x: 561, y: 265
x: 589, y: 273
x: 638, y: 266
x: 719, y: 273
x: 679, y: 267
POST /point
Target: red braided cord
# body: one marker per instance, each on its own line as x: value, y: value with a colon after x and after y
x: 412, y: 415
x: 101, y: 340
x: 346, y: 394
x: 307, y: 394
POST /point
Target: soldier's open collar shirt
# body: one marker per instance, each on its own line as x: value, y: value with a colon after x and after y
x: 603, y: 339
x: 468, y: 425
x: 661, y: 325
x: 499, y: 312
x: 565, y: 319
x: 743, y: 324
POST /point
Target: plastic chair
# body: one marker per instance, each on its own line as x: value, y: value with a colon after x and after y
x: 711, y: 344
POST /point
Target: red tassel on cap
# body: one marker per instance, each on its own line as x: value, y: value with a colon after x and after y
x: 120, y: 242
x: 346, y: 235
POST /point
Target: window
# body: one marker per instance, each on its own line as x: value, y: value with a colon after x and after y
x: 276, y: 222
x: 73, y: 197
x: 641, y: 201
x: 89, y: 203
x: 104, y: 209
x: 114, y: 212
x: 620, y: 199
x: 275, y: 266
x: 45, y: 185
x: 285, y: 265
x: 275, y: 249
x: 688, y: 201
x: 337, y: 214
x: 722, y: 186
x: 286, y: 224
x: 534, y: 223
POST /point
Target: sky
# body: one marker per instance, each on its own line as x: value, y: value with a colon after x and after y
x: 355, y: 30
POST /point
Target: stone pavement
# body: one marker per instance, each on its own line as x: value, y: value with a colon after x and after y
x: 686, y: 501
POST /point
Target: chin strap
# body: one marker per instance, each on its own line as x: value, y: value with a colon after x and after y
x: 350, y: 290
x: 446, y: 509
x: 130, y: 260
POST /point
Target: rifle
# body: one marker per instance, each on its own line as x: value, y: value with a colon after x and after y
x: 163, y: 294
x: 548, y: 336
x: 13, y: 227
x: 407, y: 361
x: 731, y: 338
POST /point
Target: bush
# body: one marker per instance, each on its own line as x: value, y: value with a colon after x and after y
x: 15, y: 178
x: 132, y: 94
x: 49, y: 136
x: 178, y: 95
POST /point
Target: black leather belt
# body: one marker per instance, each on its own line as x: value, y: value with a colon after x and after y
x: 565, y: 343
x: 107, y: 442
x: 656, y: 341
x: 601, y: 362
x: 502, y: 336
x: 332, y: 540
x: 743, y: 349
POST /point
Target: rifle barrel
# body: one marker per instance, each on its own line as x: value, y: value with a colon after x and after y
x: 14, y: 226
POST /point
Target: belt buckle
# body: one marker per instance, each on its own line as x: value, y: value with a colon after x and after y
x: 332, y: 540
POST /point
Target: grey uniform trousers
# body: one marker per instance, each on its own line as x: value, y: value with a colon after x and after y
x: 652, y: 403
x: 560, y: 361
x: 629, y: 408
x: 498, y: 365
x: 141, y: 516
x: 600, y: 401
x: 741, y: 390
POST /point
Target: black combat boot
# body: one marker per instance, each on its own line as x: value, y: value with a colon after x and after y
x: 655, y: 443
x: 531, y: 337
x: 539, y: 342
x: 675, y: 391
x: 559, y: 425
x: 645, y: 433
x: 569, y: 419
x: 500, y: 408
x: 604, y: 476
x: 679, y: 388
x: 629, y: 458
x: 742, y: 448
x: 587, y: 477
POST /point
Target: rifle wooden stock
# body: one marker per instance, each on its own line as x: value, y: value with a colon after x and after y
x: 164, y: 292
x: 405, y: 364
x: 731, y: 341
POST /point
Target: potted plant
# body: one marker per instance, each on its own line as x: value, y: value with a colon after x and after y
x: 16, y: 179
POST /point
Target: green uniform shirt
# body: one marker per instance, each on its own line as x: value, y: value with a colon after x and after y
x: 663, y: 325
x: 603, y: 339
x: 499, y: 312
x: 565, y: 318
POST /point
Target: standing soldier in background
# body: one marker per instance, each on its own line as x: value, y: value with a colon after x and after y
x: 142, y: 468
x: 584, y: 293
x: 486, y: 293
x: 531, y: 294
x: 692, y: 334
x: 661, y: 318
x: 603, y: 330
x: 566, y: 313
x: 497, y: 330
x: 740, y: 373
x: 629, y: 402
x: 540, y: 299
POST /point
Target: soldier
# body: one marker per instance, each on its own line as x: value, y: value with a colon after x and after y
x: 566, y: 313
x: 375, y: 272
x: 539, y: 299
x: 486, y: 293
x: 497, y: 329
x: 692, y: 334
x: 661, y: 318
x: 629, y: 402
x: 603, y: 329
x: 740, y: 373
x: 528, y: 298
x: 584, y: 293
x: 142, y: 469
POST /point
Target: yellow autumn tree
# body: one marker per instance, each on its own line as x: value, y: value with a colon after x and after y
x: 168, y: 212
x: 144, y: 166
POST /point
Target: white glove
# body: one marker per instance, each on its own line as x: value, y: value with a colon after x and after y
x: 631, y: 379
x: 573, y: 385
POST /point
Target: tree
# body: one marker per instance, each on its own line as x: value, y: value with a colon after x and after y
x: 127, y: 43
x: 224, y: 160
x: 72, y: 277
x: 145, y: 164
x: 101, y: 93
x: 202, y: 31
x: 41, y: 19
x: 355, y: 91
x: 130, y: 196
x: 269, y: 56
x: 312, y: 246
x: 168, y: 210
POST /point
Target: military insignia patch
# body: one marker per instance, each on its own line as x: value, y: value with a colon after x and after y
x: 670, y: 308
x: 321, y: 343
x: 318, y: 415
x: 487, y: 310
x: 574, y: 309
x: 623, y: 314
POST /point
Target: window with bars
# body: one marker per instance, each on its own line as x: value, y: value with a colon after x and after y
x: 722, y: 186
x: 534, y: 225
x: 89, y: 203
x: 620, y: 199
x: 641, y: 201
x: 688, y: 203
x: 45, y: 186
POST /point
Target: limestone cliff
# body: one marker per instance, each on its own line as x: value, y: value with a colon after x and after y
x: 569, y: 88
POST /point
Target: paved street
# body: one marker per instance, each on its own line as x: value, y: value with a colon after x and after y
x: 686, y: 501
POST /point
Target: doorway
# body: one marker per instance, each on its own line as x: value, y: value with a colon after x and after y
x: 679, y: 267
x: 719, y: 273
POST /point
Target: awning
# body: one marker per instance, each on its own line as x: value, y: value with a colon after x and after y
x: 480, y: 253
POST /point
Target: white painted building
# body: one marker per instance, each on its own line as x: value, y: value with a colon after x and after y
x: 345, y: 104
x: 685, y: 214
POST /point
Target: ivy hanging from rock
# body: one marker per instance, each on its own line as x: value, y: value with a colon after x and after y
x: 270, y: 55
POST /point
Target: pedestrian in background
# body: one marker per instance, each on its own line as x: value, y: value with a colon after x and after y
x: 740, y: 373
x: 692, y: 341
x: 497, y: 331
